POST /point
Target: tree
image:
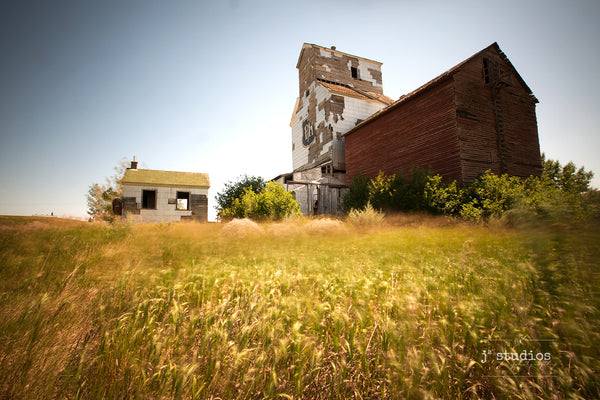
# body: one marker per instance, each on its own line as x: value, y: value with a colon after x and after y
x: 567, y: 178
x: 235, y: 190
x: 100, y: 197
x: 491, y: 195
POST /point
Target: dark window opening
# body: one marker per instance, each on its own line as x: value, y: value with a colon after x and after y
x: 486, y: 70
x: 327, y: 170
x: 149, y: 199
x: 183, y: 201
x: 494, y: 73
x: 354, y: 72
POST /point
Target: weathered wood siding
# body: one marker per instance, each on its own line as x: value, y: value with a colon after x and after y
x: 321, y: 116
x: 317, y: 62
x: 485, y: 122
x: 328, y: 124
x: 520, y: 125
x: 419, y: 133
x: 459, y: 125
x: 476, y: 122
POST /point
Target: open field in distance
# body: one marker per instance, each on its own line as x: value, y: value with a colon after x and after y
x: 418, y: 307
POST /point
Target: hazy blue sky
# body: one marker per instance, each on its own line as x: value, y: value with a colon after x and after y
x: 210, y: 86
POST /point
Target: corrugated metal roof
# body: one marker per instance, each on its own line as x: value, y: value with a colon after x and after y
x: 150, y: 177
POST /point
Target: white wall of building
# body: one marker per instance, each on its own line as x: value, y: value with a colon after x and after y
x: 164, y: 211
x: 354, y: 109
x: 300, y: 152
x: 365, y: 74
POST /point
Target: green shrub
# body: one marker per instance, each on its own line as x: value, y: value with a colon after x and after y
x: 470, y: 212
x: 560, y: 194
x: 493, y: 195
x: 410, y: 194
x: 489, y: 196
x: 382, y: 190
x: 442, y: 198
x: 550, y: 203
x: 396, y: 193
x: 358, y: 195
x: 227, y: 207
x: 238, y: 206
x: 273, y: 202
x: 591, y: 201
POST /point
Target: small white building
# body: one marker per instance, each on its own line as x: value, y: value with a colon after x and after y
x: 164, y: 196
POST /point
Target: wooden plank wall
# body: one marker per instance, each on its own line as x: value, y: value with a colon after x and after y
x: 453, y: 127
x: 478, y: 122
x: 522, y: 141
x: 335, y: 68
x: 419, y: 133
x: 306, y: 71
x: 199, y: 207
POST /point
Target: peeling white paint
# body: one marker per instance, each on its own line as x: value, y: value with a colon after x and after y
x: 365, y: 74
x: 331, y: 66
x: 363, y: 71
x: 354, y: 109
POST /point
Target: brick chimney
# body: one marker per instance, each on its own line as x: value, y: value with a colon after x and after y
x: 133, y: 164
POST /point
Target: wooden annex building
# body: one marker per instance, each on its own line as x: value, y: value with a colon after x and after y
x: 478, y: 116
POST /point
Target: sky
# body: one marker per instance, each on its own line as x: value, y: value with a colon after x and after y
x: 210, y: 86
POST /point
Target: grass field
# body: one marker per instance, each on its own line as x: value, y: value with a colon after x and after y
x: 299, y: 310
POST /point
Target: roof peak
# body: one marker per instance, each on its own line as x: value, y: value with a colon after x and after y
x: 153, y: 177
x: 332, y: 49
x: 440, y: 78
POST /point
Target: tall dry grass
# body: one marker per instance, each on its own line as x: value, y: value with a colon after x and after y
x: 303, y: 309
